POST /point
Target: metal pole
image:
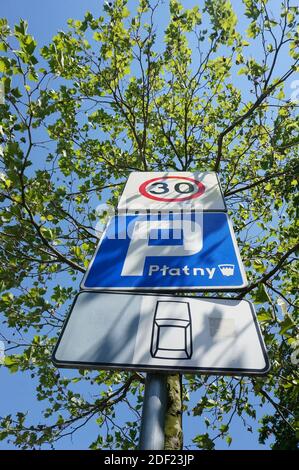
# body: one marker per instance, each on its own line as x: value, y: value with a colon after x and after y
x: 153, y: 412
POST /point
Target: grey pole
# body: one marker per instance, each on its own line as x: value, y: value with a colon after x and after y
x: 153, y: 412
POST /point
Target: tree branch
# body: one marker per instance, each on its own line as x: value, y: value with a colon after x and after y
x: 271, y: 273
x: 275, y: 405
x: 247, y: 114
x: 260, y: 181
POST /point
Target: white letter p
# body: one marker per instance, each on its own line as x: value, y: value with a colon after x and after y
x: 139, y: 247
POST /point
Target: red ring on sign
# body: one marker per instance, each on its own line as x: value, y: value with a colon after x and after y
x: 200, y: 189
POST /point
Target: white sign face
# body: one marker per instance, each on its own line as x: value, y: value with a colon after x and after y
x: 171, y: 191
x: 162, y: 333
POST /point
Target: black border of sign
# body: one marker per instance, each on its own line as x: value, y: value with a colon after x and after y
x: 169, y: 289
x: 169, y: 369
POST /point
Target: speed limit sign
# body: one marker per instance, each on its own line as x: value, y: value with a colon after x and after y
x: 171, y: 191
x: 172, y: 188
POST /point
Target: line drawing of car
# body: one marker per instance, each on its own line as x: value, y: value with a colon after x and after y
x: 172, y: 330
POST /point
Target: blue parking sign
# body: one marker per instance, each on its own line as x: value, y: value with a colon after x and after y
x: 195, y: 251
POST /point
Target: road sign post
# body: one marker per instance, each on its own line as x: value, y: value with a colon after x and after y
x: 153, y: 412
x: 163, y: 192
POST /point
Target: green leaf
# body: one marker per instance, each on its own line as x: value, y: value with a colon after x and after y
x: 22, y: 27
x: 203, y: 441
x: 286, y: 325
x: 265, y: 316
x: 224, y: 428
x: 261, y: 295
x: 12, y: 364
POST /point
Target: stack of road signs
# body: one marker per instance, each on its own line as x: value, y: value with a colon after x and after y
x: 172, y: 233
x: 179, y: 238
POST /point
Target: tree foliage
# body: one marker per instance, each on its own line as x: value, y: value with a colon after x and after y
x: 116, y: 93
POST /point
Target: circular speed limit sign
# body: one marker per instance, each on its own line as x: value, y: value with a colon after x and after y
x: 172, y: 188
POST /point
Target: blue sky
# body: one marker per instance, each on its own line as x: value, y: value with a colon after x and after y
x: 17, y: 391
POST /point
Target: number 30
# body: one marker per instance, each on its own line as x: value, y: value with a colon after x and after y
x: 163, y: 188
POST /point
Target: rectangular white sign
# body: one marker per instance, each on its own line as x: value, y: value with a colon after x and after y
x: 171, y: 191
x: 117, y: 330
